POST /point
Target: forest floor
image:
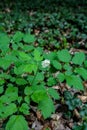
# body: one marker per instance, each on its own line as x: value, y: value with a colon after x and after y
x: 56, y: 26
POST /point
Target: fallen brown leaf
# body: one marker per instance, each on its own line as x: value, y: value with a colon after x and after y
x: 83, y: 98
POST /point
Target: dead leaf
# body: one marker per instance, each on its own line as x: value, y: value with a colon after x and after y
x: 83, y: 98
x: 76, y: 113
x: 38, y: 113
x: 37, y: 125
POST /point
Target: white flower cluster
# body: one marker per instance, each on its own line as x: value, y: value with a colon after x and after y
x: 45, y: 63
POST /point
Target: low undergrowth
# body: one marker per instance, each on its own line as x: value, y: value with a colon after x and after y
x: 27, y: 77
x: 38, y: 69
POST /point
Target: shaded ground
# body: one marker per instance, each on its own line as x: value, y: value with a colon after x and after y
x: 56, y: 25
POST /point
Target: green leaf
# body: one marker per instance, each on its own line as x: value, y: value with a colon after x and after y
x: 11, y: 89
x: 29, y: 68
x: 64, y: 55
x: 24, y: 56
x: 50, y: 56
x: 47, y: 107
x: 28, y: 90
x: 18, y: 36
x: 39, y: 95
x: 20, y: 81
x: 85, y: 63
x: 61, y: 77
x: 38, y: 78
x: 9, y: 110
x: 67, y: 66
x: 51, y: 81
x: 5, y: 63
x: 11, y: 94
x: 28, y: 38
x: 27, y: 99
x: 24, y: 109
x: 2, y: 81
x: 1, y: 89
x: 4, y: 41
x: 37, y: 55
x: 82, y: 72
x: 52, y: 92
x: 78, y: 58
x: 17, y: 122
x: 56, y: 64
x: 74, y: 81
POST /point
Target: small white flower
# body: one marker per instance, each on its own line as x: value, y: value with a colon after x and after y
x: 45, y: 63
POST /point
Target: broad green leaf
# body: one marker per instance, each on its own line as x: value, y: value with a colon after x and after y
x: 64, y: 55
x: 61, y: 77
x: 24, y: 56
x: 78, y: 58
x: 50, y: 56
x: 9, y: 110
x: 68, y: 72
x: 31, y: 79
x: 28, y: 48
x: 20, y: 98
x: 53, y: 93
x: 56, y: 64
x: 1, y: 89
x: 51, y: 81
x: 18, y: 36
x: 82, y: 72
x: 28, y: 90
x: 47, y: 107
x: 27, y: 99
x: 85, y: 63
x: 39, y: 87
x: 74, y: 81
x: 29, y: 38
x: 17, y: 122
x: 5, y: 63
x: 29, y: 68
x: 19, y: 70
x: 24, y: 109
x: 11, y: 93
x: 37, y: 55
x: 67, y: 66
x: 5, y: 76
x: 4, y: 41
x: 11, y: 89
x: 2, y: 81
x: 20, y: 81
x: 38, y: 78
x: 4, y: 99
x: 39, y: 95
